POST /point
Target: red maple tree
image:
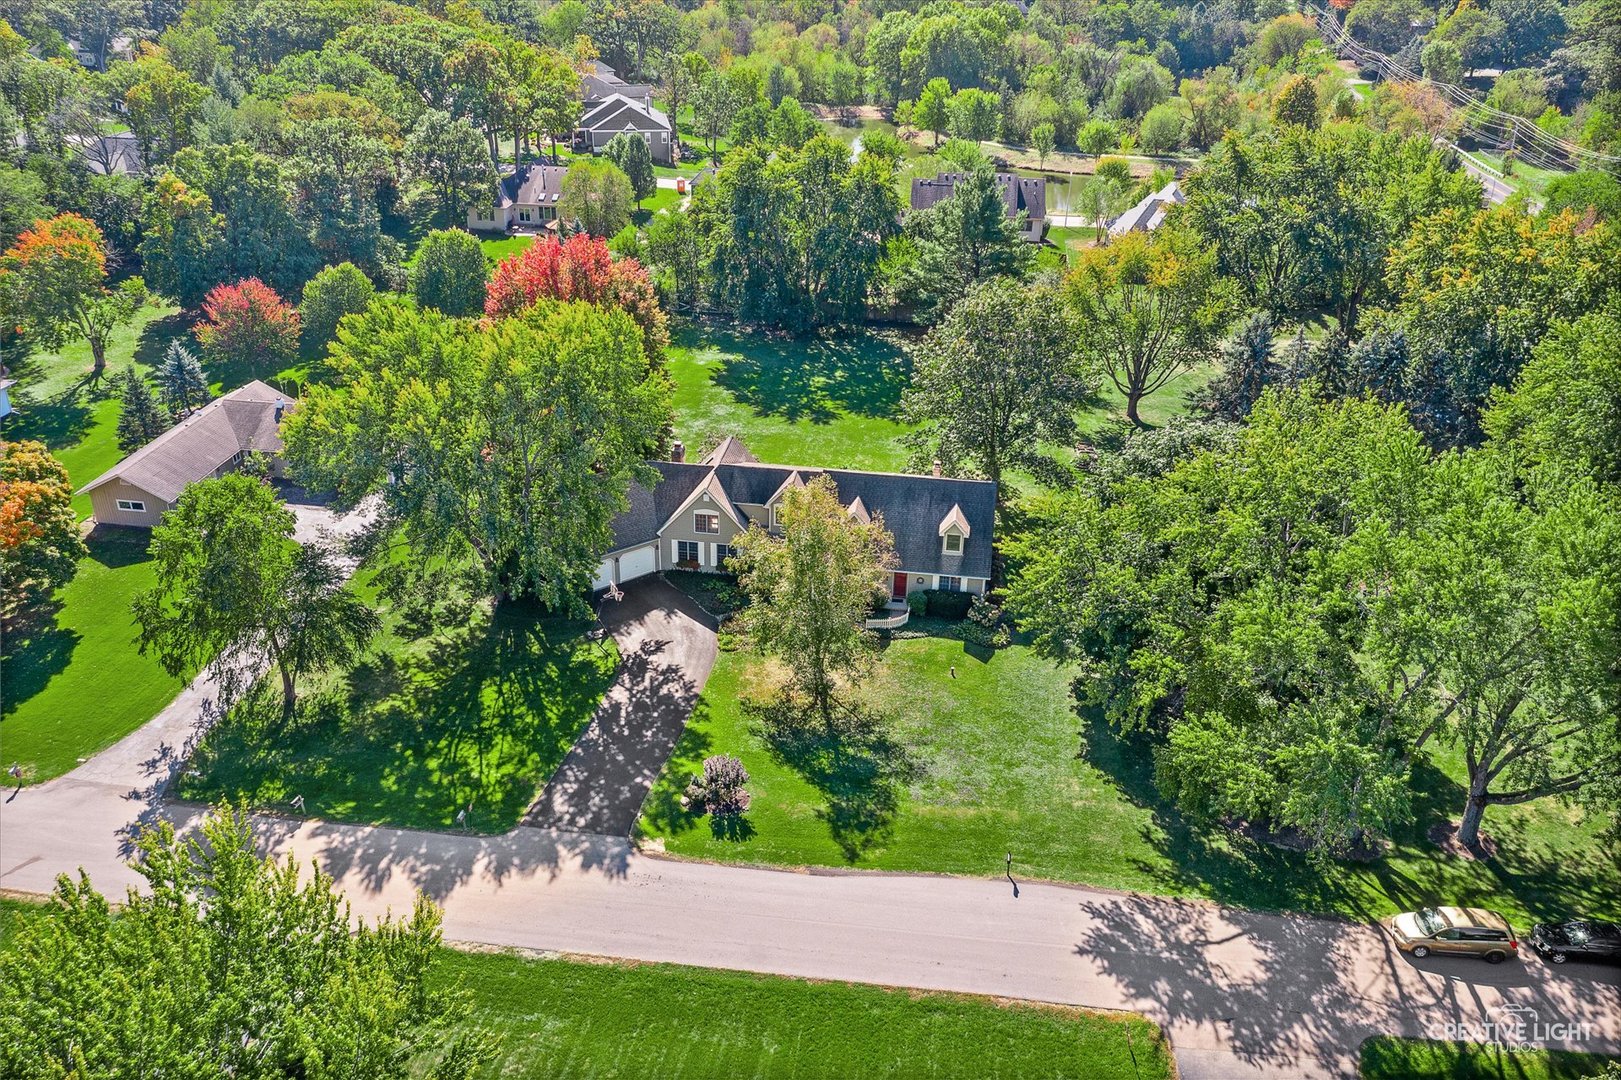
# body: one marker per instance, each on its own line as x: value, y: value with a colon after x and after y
x: 579, y: 268
x: 248, y: 327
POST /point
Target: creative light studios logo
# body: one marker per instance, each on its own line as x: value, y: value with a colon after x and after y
x: 1513, y: 1027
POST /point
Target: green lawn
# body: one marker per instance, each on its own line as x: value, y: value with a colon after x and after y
x: 829, y: 402
x: 436, y: 719
x: 1389, y: 1058
x: 662, y: 199
x: 74, y: 682
x: 956, y: 772
x: 559, y: 1017
x: 78, y: 421
x: 1171, y: 400
x: 574, y: 1017
x: 502, y: 247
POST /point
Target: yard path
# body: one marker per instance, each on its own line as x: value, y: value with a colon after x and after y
x: 666, y: 649
x: 1241, y: 994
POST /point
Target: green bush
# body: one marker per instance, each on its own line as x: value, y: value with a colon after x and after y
x: 947, y: 605
x: 984, y: 626
x: 917, y: 604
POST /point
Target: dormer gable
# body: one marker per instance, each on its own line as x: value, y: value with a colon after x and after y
x: 858, y: 510
x: 708, y: 495
x: 954, y: 531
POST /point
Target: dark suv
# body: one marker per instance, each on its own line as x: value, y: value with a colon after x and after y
x: 1587, y: 938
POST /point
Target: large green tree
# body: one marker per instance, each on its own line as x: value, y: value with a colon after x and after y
x: 597, y: 196
x: 447, y: 167
x: 812, y: 586
x: 506, y: 450
x: 235, y: 591
x: 328, y: 296
x: 628, y: 151
x: 449, y: 273
x: 226, y: 964
x: 1150, y: 307
x: 140, y: 420
x: 959, y: 241
x: 997, y: 382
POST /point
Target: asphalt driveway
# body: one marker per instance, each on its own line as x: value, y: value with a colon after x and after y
x: 667, y: 648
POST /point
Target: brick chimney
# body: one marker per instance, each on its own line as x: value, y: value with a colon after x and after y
x: 936, y: 466
x: 678, y: 451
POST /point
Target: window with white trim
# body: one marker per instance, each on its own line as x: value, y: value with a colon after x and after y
x: 950, y: 584
x: 775, y: 524
x: 953, y: 543
x: 686, y: 551
x: 135, y: 505
x: 705, y: 522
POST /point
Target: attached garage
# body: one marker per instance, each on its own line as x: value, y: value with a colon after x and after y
x: 631, y: 564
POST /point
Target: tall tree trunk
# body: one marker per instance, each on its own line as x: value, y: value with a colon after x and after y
x: 98, y: 352
x: 289, y: 694
x: 1132, y: 398
x: 1474, y: 809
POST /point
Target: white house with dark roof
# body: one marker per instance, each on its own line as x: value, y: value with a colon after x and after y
x: 525, y: 201
x: 688, y: 519
x: 214, y: 440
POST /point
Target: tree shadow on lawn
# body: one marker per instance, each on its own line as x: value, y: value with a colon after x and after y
x: 1234, y: 868
x: 477, y: 721
x: 856, y: 765
x: 157, y: 334
x: 812, y: 379
x: 60, y: 422
x: 663, y: 810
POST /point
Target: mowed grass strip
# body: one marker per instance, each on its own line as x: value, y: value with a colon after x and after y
x: 1389, y: 1058
x: 572, y: 1017
x: 435, y: 720
x: 956, y: 770
x: 74, y: 681
x: 559, y: 1017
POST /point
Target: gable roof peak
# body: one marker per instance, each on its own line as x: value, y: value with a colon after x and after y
x: 955, y: 519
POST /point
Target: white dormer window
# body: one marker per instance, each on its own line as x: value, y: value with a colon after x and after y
x: 705, y: 522
x: 953, y: 543
x: 775, y: 523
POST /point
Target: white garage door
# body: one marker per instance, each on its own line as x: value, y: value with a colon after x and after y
x: 605, y: 575
x: 638, y: 563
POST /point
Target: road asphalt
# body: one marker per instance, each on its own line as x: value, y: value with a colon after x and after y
x: 1241, y: 994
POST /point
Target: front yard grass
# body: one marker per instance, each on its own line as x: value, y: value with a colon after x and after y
x: 436, y: 719
x: 832, y: 402
x: 73, y: 680
x: 1386, y: 1057
x: 958, y: 771
x: 563, y: 1017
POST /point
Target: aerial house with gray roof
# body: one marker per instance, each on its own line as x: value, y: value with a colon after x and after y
x: 214, y: 440
x: 687, y: 520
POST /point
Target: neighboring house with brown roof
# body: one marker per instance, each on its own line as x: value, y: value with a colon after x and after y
x: 525, y: 201
x: 212, y: 441
x: 688, y: 519
x: 1025, y: 195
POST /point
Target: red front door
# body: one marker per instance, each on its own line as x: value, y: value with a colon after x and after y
x: 899, y: 592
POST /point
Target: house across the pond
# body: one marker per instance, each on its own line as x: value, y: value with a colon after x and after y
x: 942, y: 526
x: 1025, y: 195
x: 214, y: 440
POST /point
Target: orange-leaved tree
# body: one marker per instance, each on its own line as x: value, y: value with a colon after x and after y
x: 39, y: 537
x: 53, y: 287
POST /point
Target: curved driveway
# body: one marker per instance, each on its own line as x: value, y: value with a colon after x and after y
x: 1240, y: 993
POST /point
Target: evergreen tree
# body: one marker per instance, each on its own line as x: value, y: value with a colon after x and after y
x: 181, y: 379
x: 1247, y: 370
x: 139, y: 418
x: 630, y: 153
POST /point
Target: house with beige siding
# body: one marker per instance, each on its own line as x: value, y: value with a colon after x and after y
x: 688, y: 520
x: 216, y: 439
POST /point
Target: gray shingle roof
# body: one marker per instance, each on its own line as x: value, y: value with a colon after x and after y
x: 533, y: 185
x: 1027, y: 193
x: 194, y: 449
x: 913, y: 507
x: 617, y: 112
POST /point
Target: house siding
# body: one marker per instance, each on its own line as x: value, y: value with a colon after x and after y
x: 104, y: 505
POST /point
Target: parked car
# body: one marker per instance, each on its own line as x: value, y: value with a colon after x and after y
x: 1587, y: 938
x: 1454, y: 931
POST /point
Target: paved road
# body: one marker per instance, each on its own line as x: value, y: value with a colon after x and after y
x: 667, y: 648
x: 1241, y: 994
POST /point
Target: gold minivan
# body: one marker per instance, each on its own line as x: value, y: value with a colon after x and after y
x: 1454, y: 931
